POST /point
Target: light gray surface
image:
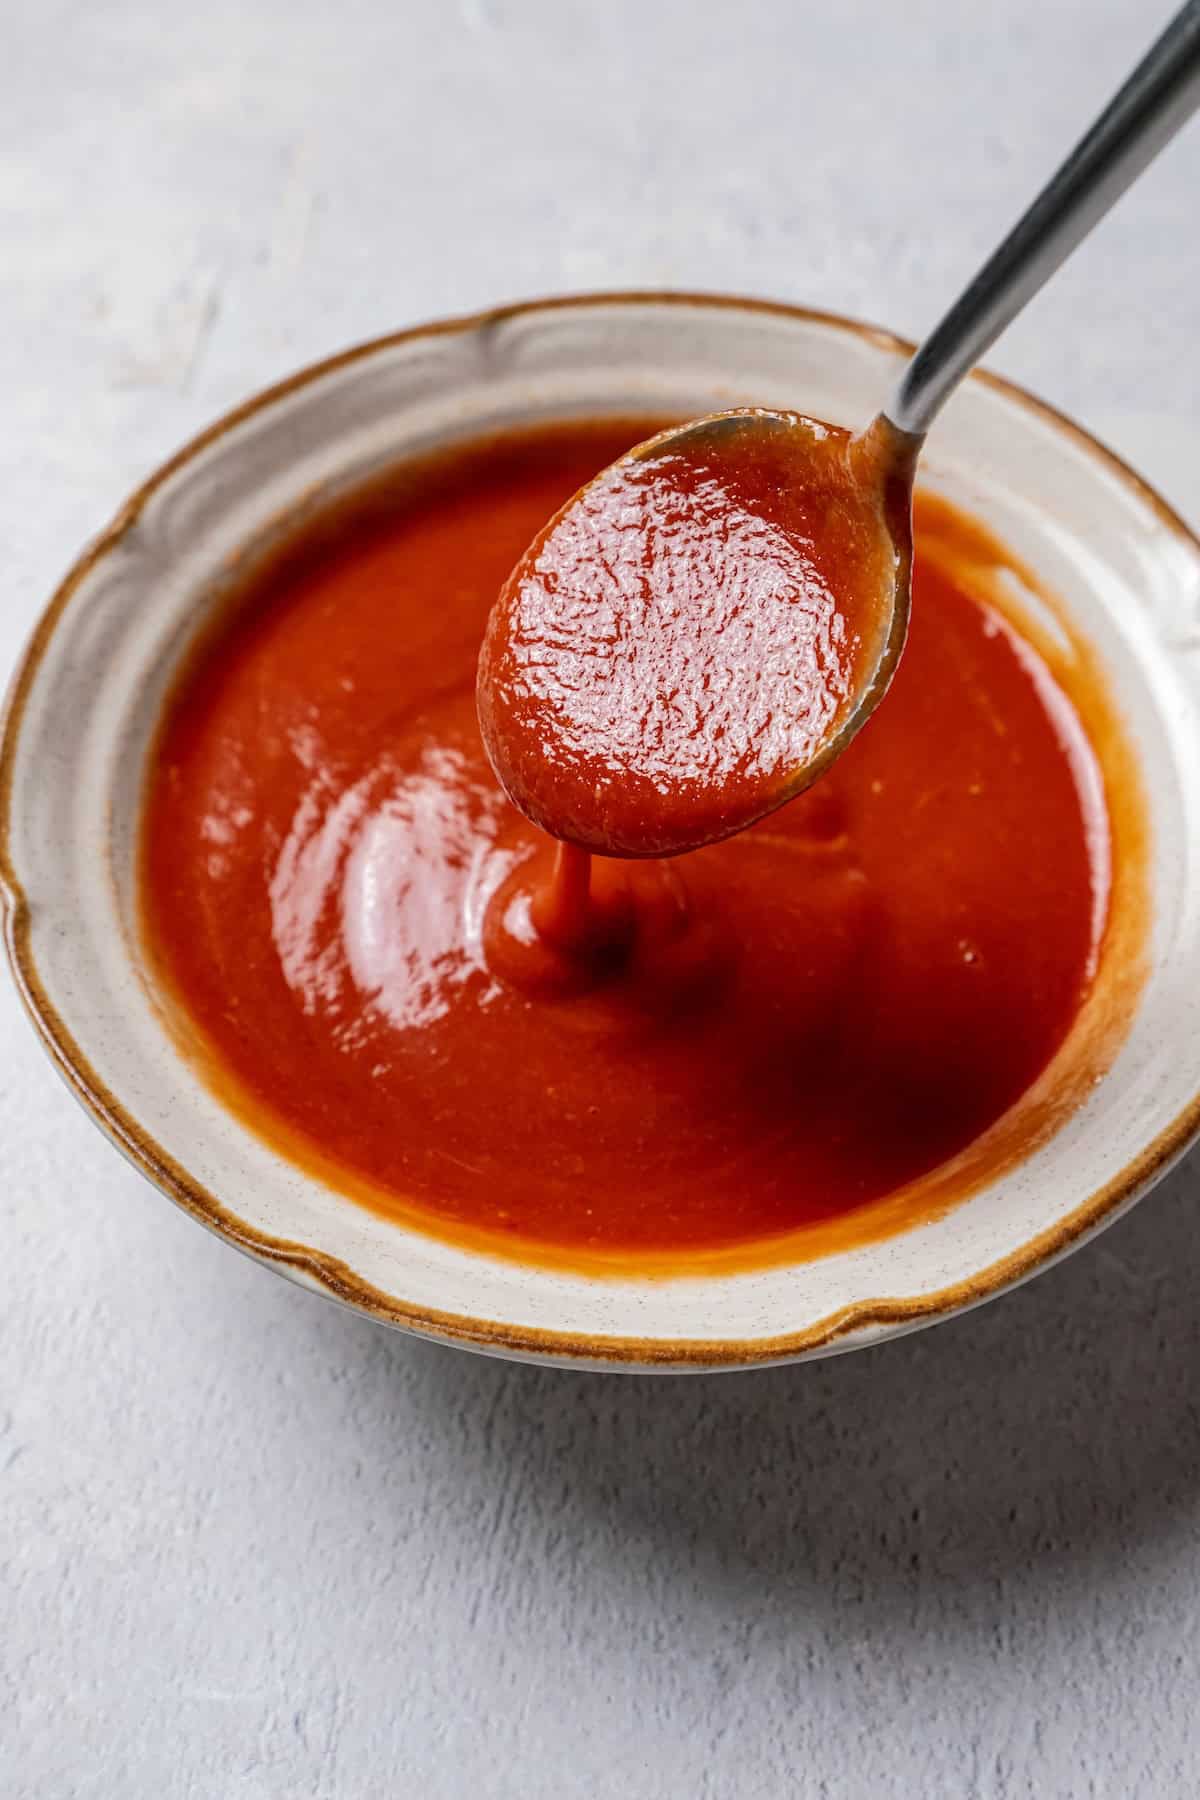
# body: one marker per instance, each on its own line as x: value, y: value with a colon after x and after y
x: 252, y: 1547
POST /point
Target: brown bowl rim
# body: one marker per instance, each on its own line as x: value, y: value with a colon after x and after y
x: 331, y: 1275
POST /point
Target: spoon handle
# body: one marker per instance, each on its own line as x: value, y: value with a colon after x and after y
x: 1158, y: 98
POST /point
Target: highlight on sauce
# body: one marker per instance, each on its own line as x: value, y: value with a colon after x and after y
x: 811, y: 1033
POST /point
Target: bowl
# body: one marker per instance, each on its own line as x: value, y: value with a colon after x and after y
x: 85, y: 700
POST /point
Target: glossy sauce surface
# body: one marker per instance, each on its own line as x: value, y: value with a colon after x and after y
x: 682, y: 644
x: 791, y: 1026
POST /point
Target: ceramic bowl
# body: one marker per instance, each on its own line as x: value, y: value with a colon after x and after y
x: 86, y: 697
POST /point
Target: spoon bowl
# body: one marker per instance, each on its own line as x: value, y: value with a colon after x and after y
x: 701, y: 630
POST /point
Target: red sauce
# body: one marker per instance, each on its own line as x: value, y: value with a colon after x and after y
x: 680, y: 647
x: 800, y: 1029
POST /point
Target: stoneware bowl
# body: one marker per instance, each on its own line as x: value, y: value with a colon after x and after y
x: 84, y: 702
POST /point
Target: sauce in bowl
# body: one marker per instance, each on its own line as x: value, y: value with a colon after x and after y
x: 813, y: 1032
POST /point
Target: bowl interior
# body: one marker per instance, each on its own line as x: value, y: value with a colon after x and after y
x: 87, y: 699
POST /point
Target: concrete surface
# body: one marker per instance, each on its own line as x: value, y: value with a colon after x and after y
x: 253, y: 1548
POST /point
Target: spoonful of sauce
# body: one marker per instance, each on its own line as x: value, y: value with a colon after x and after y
x: 704, y: 627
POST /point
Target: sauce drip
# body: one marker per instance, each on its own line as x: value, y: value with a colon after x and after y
x: 682, y: 645
x: 379, y: 964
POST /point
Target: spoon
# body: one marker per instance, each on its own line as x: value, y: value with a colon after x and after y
x: 704, y: 627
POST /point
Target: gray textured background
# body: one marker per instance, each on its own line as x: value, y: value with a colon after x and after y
x: 253, y: 1548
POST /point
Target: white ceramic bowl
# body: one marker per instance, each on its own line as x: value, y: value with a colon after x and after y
x: 85, y: 699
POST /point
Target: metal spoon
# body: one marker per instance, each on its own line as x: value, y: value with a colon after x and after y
x: 561, y: 660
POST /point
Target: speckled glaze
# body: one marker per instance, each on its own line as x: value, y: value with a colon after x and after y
x: 85, y: 700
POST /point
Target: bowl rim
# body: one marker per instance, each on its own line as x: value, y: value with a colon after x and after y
x: 868, y: 1317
